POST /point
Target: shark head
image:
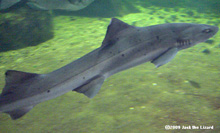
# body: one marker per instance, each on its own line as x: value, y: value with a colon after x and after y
x: 192, y: 34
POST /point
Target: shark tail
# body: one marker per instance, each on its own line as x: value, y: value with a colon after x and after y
x: 12, y: 92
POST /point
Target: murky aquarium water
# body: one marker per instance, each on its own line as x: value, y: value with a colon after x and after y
x: 113, y: 66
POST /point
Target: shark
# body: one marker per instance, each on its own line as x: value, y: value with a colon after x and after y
x: 123, y: 47
x: 69, y: 5
x: 4, y: 4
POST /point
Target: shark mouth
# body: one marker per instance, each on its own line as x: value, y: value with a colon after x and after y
x: 183, y: 43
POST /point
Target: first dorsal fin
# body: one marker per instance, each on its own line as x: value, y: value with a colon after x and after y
x: 114, y: 28
x: 13, y: 78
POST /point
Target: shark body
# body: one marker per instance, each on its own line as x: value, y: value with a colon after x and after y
x: 124, y: 46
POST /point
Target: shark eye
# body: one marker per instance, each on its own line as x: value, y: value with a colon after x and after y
x: 207, y: 31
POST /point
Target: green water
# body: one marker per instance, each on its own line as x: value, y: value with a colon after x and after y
x: 142, y: 99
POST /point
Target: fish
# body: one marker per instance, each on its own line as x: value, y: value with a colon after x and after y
x: 69, y: 5
x: 124, y: 46
x: 4, y: 4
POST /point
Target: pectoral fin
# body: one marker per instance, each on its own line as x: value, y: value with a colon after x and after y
x: 165, y: 57
x: 17, y: 113
x: 91, y: 88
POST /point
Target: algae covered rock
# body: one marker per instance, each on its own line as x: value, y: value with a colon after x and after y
x: 24, y: 27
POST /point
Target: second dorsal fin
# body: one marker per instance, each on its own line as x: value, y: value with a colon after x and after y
x: 13, y: 78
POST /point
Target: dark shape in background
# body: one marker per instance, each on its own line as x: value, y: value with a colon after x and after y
x: 104, y: 8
